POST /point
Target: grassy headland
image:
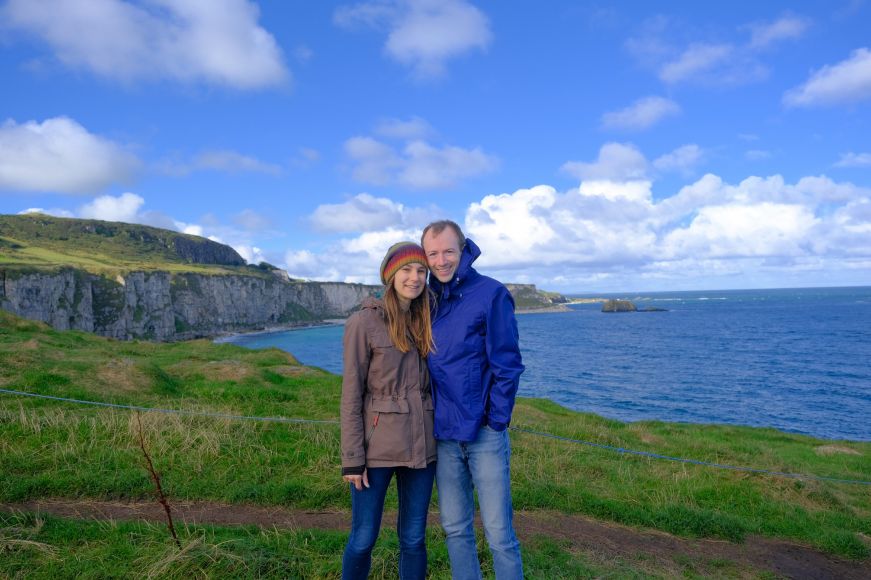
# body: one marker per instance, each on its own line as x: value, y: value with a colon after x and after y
x: 50, y: 449
x: 42, y: 242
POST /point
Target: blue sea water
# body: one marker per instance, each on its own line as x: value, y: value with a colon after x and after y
x: 794, y: 359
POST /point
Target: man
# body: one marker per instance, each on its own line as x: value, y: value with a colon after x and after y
x: 475, y: 370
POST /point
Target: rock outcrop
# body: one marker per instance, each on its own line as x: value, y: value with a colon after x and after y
x: 165, y: 306
x: 619, y: 306
x: 529, y: 298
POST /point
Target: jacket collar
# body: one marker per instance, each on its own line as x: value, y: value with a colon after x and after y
x: 465, y: 271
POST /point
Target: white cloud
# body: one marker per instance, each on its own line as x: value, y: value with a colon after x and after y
x: 611, y: 231
x: 233, y: 162
x: 422, y: 34
x: 848, y: 81
x: 225, y: 161
x: 616, y: 162
x: 413, y: 128
x: 738, y: 230
x: 124, y: 208
x: 684, y: 159
x: 53, y: 211
x: 642, y: 114
x: 697, y: 59
x: 784, y: 28
x: 361, y: 213
x: 216, y: 42
x: 60, y: 156
x: 251, y: 254
x: 757, y: 155
x: 418, y: 166
x: 374, y: 161
x: 854, y: 160
x: 366, y: 213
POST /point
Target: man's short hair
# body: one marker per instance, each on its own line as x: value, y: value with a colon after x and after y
x: 439, y: 226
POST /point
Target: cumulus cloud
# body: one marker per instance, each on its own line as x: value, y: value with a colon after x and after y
x: 124, y: 208
x: 846, y: 82
x: 854, y: 160
x: 642, y: 114
x: 58, y: 155
x: 58, y: 212
x: 418, y: 165
x: 724, y: 62
x: 422, y: 34
x: 784, y: 28
x: 361, y: 213
x: 217, y: 42
x: 695, y: 60
x: 413, y: 128
x: 612, y: 231
x: 365, y: 213
x: 224, y: 161
x: 683, y: 160
x: 616, y: 162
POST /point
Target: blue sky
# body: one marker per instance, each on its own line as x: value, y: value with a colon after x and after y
x: 585, y: 146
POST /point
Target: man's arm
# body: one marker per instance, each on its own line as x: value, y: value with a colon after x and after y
x: 503, y: 355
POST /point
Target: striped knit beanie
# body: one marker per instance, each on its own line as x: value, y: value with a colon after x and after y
x: 398, y: 256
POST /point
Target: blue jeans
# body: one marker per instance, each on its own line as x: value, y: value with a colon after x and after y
x: 415, y: 490
x: 483, y: 464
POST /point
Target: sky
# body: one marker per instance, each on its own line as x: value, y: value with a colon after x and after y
x: 585, y: 146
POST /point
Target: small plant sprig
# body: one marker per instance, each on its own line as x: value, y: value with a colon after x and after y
x: 155, y: 477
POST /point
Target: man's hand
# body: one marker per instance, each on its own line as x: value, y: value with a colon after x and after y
x: 358, y: 480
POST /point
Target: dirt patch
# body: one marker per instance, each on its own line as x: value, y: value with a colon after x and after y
x: 31, y: 344
x: 291, y: 371
x: 599, y: 540
x: 835, y: 449
x: 226, y: 370
x: 121, y: 374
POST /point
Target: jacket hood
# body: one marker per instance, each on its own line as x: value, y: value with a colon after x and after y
x: 469, y: 254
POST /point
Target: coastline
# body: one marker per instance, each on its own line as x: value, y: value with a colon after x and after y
x: 229, y: 336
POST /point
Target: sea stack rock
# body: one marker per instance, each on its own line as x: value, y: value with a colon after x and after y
x: 619, y: 306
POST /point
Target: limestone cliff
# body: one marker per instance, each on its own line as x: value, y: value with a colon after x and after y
x: 171, y: 306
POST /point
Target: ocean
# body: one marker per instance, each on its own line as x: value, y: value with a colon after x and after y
x: 798, y: 360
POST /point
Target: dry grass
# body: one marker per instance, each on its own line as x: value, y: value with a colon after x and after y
x: 835, y: 449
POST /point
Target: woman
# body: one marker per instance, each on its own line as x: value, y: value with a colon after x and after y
x: 387, y: 413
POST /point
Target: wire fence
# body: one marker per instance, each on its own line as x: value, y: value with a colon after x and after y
x: 621, y: 450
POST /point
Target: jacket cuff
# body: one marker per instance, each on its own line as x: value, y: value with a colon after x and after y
x: 496, y: 425
x: 356, y: 470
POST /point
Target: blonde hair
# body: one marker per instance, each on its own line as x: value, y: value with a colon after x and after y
x: 415, y: 321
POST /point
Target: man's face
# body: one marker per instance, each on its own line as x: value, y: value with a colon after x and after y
x: 442, y: 253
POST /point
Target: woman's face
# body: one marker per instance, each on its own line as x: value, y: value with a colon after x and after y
x: 410, y: 281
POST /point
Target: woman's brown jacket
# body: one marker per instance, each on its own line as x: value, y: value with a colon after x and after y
x: 387, y: 410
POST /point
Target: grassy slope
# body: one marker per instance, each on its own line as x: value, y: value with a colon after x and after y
x: 44, y: 242
x: 50, y: 449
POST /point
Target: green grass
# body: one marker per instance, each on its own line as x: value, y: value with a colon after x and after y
x: 39, y: 546
x: 51, y: 449
x: 36, y: 242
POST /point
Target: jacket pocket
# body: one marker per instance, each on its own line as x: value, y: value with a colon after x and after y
x: 388, y: 426
x: 473, y: 395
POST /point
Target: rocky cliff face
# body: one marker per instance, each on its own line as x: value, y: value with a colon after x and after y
x: 164, y: 306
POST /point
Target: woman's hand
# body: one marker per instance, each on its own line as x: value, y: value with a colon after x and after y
x: 358, y: 480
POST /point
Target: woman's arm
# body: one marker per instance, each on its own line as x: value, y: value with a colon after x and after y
x: 356, y: 371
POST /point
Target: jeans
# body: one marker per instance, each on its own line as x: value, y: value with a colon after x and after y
x: 415, y: 490
x: 483, y: 464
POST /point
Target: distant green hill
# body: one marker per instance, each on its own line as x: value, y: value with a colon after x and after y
x: 100, y: 247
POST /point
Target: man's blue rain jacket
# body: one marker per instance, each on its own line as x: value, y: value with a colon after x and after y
x: 476, y: 365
